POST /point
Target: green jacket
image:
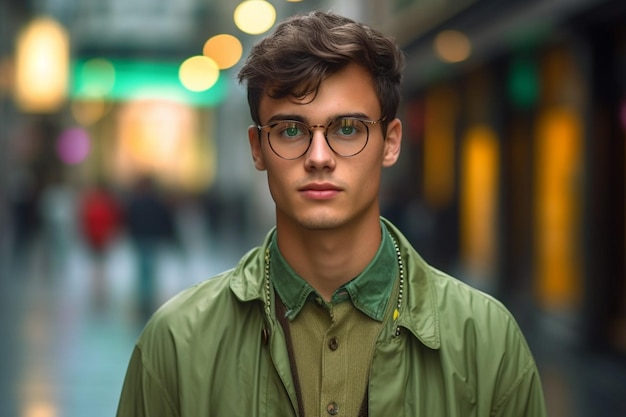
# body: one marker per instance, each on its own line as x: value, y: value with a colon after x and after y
x: 213, y: 351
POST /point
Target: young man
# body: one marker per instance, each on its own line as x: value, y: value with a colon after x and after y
x: 335, y: 313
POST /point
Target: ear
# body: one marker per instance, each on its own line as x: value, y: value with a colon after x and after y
x: 392, y: 142
x: 255, y: 148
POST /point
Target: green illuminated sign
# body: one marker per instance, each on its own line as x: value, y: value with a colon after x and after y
x: 523, y: 82
x: 119, y: 80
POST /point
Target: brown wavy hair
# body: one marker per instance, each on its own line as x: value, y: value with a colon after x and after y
x: 305, y: 49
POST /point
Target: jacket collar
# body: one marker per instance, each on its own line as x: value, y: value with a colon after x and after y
x: 418, y: 314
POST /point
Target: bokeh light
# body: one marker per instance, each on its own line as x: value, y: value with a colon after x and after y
x: 88, y: 112
x: 42, y: 66
x: 224, y: 49
x: 73, y: 146
x: 255, y: 16
x: 99, y: 77
x: 452, y: 46
x: 199, y: 73
x: 523, y: 82
x: 40, y: 409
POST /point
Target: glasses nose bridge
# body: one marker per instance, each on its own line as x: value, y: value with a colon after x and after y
x: 324, y: 130
x: 313, y: 128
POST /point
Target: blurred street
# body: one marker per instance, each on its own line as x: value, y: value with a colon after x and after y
x: 68, y: 335
x: 68, y: 338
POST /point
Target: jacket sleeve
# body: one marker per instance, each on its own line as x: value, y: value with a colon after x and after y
x: 519, y: 392
x: 526, y: 398
x: 142, y: 393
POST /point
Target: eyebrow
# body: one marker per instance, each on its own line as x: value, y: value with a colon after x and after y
x: 303, y: 119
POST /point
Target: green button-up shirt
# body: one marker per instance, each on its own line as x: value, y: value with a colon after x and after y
x: 369, y: 291
x: 333, y: 342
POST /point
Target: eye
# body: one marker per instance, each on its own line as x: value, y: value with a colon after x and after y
x: 290, y: 130
x: 346, y: 128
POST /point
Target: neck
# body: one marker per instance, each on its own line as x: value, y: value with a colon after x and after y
x: 327, y: 259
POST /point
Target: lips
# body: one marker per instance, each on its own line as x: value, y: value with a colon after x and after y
x: 319, y: 191
x: 320, y: 187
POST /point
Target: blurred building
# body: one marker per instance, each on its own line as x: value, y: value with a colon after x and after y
x: 118, y: 107
x: 513, y: 171
x: 515, y: 144
x: 514, y: 112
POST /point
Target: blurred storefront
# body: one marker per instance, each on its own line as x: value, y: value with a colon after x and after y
x: 516, y: 147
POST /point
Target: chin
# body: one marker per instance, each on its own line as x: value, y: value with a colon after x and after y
x: 327, y: 218
x: 317, y: 224
x: 320, y: 221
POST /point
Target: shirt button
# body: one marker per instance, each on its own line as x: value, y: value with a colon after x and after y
x: 333, y: 344
x: 332, y: 408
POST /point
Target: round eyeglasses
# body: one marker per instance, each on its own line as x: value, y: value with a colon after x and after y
x: 346, y: 136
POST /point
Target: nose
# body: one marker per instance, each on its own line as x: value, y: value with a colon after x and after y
x: 319, y: 154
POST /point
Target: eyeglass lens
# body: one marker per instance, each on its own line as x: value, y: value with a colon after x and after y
x: 345, y: 136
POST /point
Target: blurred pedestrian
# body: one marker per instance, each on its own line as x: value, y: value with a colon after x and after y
x: 336, y: 313
x: 24, y: 194
x: 150, y: 224
x: 100, y: 219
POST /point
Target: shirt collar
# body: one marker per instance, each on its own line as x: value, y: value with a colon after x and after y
x: 369, y: 291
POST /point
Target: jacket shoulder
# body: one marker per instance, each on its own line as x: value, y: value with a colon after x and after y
x: 185, y: 309
x: 460, y: 299
x: 241, y: 283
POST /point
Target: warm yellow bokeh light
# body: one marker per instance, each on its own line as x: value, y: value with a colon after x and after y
x: 149, y: 132
x: 255, y: 16
x: 40, y: 409
x: 225, y: 50
x: 41, y: 66
x: 452, y: 46
x: 557, y: 206
x: 198, y: 73
x: 479, y: 185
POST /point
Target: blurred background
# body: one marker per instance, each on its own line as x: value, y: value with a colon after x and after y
x: 125, y: 176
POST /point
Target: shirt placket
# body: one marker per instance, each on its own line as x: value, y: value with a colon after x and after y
x: 334, y: 364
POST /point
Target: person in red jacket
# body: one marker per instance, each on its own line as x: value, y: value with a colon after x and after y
x: 100, y: 220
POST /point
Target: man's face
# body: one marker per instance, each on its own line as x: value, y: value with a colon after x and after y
x: 322, y: 190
